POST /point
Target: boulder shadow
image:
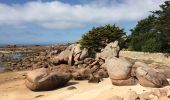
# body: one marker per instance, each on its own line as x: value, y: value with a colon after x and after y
x: 60, y: 87
x: 66, y: 85
x: 70, y: 84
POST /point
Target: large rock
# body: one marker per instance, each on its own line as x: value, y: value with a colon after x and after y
x: 139, y: 64
x: 84, y: 54
x: 82, y: 74
x: 72, y: 54
x: 63, y: 57
x: 162, y: 68
x: 103, y: 73
x: 36, y: 74
x: 94, y: 79
x: 150, y: 77
x: 77, y: 54
x: 118, y: 68
x: 136, y: 65
x: 42, y: 80
x: 110, y: 51
x: 88, y: 60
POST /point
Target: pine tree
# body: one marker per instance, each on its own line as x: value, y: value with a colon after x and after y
x: 98, y: 37
x: 163, y: 24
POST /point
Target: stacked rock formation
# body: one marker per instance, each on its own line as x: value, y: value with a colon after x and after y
x: 110, y: 51
x: 122, y: 72
x: 119, y: 70
x: 77, y: 62
x: 85, y: 67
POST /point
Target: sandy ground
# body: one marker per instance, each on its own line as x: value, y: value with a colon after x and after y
x: 12, y: 88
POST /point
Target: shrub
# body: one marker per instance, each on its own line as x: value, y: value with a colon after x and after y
x: 152, y: 45
x: 98, y: 37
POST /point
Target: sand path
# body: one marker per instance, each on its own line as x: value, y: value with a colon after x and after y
x: 12, y: 88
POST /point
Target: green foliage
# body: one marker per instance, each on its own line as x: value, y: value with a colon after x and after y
x: 152, y: 45
x: 152, y: 34
x: 145, y: 37
x: 98, y: 37
x: 163, y: 24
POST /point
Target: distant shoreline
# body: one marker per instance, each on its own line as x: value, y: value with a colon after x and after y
x: 23, y: 45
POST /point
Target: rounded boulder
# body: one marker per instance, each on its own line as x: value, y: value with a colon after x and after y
x: 42, y: 80
x: 118, y: 68
x: 150, y: 77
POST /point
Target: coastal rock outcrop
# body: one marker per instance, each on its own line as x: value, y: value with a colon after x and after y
x: 135, y: 66
x: 111, y: 50
x: 76, y: 62
x: 72, y: 55
x: 77, y: 54
x: 139, y: 64
x: 42, y: 80
x: 63, y: 57
x: 162, y: 68
x: 150, y: 77
x: 85, y: 66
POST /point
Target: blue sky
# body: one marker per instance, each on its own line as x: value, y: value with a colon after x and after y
x: 62, y: 21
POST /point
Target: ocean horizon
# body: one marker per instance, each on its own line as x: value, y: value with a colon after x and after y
x: 33, y: 44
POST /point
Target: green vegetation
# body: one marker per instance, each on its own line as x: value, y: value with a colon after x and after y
x: 98, y: 37
x: 145, y: 37
x: 163, y: 24
x: 151, y: 34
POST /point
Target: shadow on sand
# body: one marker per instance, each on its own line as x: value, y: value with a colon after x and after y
x: 69, y: 84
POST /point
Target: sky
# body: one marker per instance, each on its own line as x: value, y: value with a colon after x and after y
x: 29, y: 22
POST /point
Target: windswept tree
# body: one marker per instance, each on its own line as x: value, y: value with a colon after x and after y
x: 98, y: 37
x: 163, y: 24
x: 152, y: 34
x: 145, y: 37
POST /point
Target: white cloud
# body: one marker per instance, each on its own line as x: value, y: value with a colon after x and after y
x: 60, y: 15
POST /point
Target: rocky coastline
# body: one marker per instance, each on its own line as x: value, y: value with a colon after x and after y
x: 15, y: 58
x: 52, y: 67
